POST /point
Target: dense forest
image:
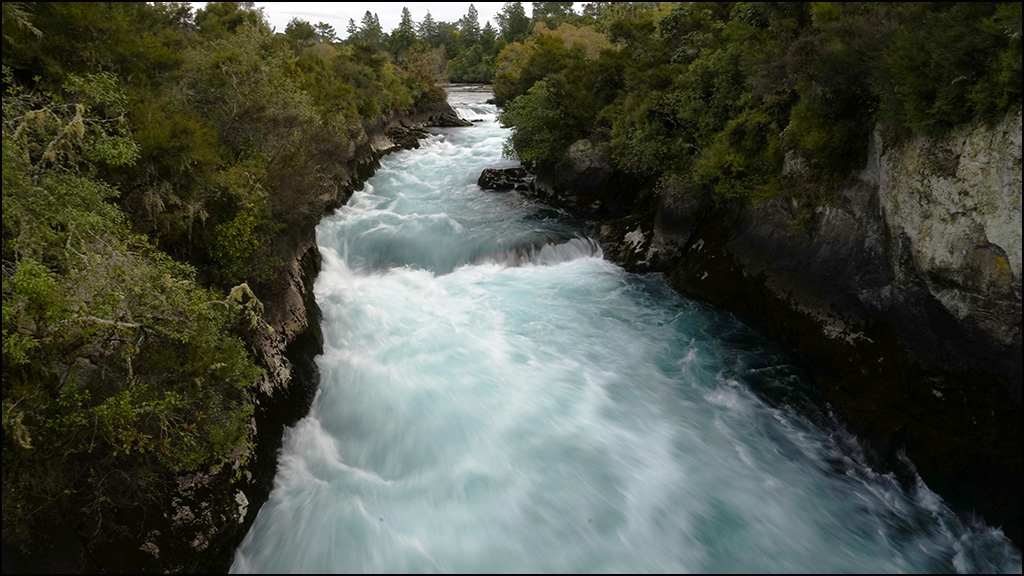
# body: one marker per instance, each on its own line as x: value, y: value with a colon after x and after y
x: 745, y: 100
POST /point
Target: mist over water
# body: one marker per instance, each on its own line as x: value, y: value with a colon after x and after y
x: 496, y: 397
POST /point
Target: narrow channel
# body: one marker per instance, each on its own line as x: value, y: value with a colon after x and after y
x: 497, y: 397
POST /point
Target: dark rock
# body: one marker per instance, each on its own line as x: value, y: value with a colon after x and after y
x: 406, y: 137
x: 587, y: 182
x: 503, y: 179
x: 450, y: 120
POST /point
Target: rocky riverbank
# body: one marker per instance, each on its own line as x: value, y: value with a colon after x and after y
x: 205, y: 515
x: 905, y: 293
x: 287, y: 353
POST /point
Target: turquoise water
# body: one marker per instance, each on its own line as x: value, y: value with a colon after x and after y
x: 496, y: 397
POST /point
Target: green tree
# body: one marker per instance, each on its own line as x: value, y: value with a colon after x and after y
x: 403, y: 36
x: 219, y: 19
x: 451, y: 38
x: 426, y: 63
x: 552, y: 13
x: 428, y: 31
x: 954, y: 61
x: 370, y: 32
x: 325, y: 32
x: 488, y: 39
x: 513, y: 22
x: 469, y: 25
x: 541, y: 128
x: 301, y: 31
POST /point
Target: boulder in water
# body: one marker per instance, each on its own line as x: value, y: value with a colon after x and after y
x: 503, y: 179
x: 450, y: 119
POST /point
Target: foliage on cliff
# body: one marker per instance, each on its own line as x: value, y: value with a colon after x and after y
x: 751, y: 100
x: 155, y: 162
x: 117, y: 366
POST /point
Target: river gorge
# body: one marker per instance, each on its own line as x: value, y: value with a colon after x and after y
x: 496, y: 396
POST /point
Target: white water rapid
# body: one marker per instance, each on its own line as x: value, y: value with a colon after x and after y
x: 496, y: 397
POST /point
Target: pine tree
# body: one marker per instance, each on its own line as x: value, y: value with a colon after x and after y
x: 403, y: 36
x: 469, y: 25
x: 370, y: 32
x: 428, y: 30
x: 551, y: 13
x: 513, y: 22
x: 488, y: 39
x: 325, y: 32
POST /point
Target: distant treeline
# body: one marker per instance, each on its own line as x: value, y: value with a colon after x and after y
x: 460, y: 51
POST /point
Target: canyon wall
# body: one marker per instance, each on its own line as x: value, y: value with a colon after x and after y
x: 904, y: 292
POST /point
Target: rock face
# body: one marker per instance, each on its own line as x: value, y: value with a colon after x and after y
x: 588, y: 182
x: 906, y: 294
x: 956, y: 204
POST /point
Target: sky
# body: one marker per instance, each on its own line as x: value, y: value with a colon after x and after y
x: 337, y: 14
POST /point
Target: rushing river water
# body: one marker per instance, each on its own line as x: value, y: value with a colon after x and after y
x: 496, y: 397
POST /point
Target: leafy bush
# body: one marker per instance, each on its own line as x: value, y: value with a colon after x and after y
x: 951, y: 63
x: 113, y: 357
x: 743, y: 160
x: 541, y: 130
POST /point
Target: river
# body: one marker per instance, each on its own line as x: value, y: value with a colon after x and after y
x: 497, y: 397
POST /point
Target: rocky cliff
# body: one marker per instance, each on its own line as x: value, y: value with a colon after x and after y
x: 905, y: 292
x: 287, y: 351
x: 205, y: 515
